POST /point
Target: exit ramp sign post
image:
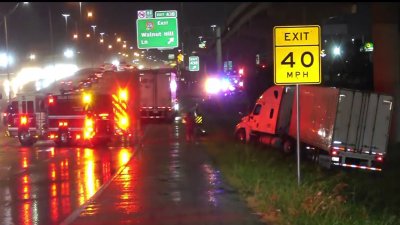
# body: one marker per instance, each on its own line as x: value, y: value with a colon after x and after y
x: 297, y: 61
x: 297, y: 55
x: 158, y: 33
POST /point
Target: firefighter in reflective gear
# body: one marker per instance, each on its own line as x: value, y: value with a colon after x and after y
x: 190, y: 125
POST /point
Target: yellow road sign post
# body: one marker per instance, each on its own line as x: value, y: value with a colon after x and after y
x: 297, y: 55
x: 297, y: 61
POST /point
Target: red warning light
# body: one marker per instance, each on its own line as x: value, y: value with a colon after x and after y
x: 51, y: 100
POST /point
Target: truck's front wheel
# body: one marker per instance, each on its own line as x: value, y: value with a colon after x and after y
x: 25, y: 138
x: 241, y: 136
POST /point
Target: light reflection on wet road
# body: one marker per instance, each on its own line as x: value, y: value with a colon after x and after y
x: 167, y: 181
x: 43, y: 184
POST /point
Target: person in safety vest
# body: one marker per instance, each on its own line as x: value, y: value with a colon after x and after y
x: 190, y: 125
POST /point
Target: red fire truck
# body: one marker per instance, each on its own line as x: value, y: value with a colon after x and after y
x: 108, y: 111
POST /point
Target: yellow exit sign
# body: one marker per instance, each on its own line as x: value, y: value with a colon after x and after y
x: 297, y: 56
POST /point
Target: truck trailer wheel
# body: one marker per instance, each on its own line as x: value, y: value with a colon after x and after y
x: 25, y: 138
x: 288, y: 147
x: 241, y: 136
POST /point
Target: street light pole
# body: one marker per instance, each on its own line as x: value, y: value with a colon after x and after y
x: 7, y: 57
x: 51, y: 37
x: 93, y: 44
x: 66, y: 23
x: 80, y: 11
x: 219, y: 49
x: 94, y: 30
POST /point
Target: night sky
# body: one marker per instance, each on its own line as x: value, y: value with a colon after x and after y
x: 28, y: 26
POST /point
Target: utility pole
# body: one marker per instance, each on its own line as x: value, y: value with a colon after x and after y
x: 7, y: 57
x: 219, y: 49
x: 51, y: 37
x: 218, y: 46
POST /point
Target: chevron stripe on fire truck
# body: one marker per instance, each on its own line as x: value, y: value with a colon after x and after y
x: 119, y: 109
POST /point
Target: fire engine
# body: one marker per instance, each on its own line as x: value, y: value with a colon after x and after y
x: 106, y: 112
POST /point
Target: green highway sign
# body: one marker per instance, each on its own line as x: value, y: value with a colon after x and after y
x: 157, y: 33
x: 170, y: 13
x: 194, y: 63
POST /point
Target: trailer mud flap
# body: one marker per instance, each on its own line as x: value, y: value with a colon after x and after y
x: 325, y: 161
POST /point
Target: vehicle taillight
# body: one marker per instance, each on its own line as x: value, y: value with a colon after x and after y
x: 334, y: 152
x: 379, y: 158
x: 24, y: 120
x: 62, y: 124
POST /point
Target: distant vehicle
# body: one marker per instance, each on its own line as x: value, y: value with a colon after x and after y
x: 108, y: 67
x: 338, y: 127
x: 93, y: 78
x: 158, y: 94
x: 65, y: 86
x: 123, y: 66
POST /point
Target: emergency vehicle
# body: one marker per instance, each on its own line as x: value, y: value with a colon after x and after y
x: 26, y: 118
x: 106, y: 112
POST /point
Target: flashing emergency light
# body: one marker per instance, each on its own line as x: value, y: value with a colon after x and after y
x: 123, y: 95
x: 225, y: 84
x: 24, y: 120
x: 123, y: 123
x: 51, y: 100
x: 241, y: 71
x: 173, y: 86
x: 87, y: 98
x: 88, y: 130
x: 88, y: 122
x: 212, y: 85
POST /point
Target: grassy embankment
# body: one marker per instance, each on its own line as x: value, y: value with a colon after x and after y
x: 267, y: 180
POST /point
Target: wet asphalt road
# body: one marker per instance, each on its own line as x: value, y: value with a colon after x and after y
x: 44, y: 185
x: 164, y: 181
x: 167, y: 181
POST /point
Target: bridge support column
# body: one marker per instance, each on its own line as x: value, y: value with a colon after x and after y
x: 386, y: 60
